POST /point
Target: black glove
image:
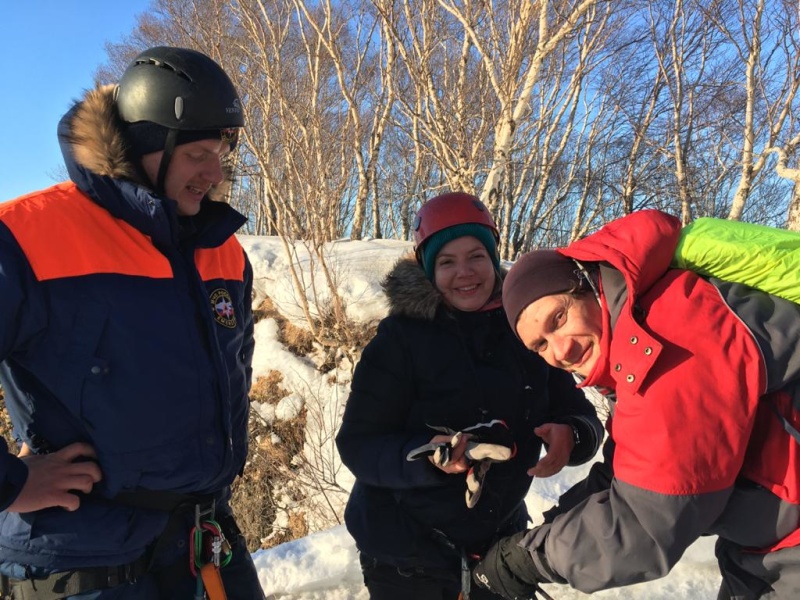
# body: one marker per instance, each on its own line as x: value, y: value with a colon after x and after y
x: 508, y: 570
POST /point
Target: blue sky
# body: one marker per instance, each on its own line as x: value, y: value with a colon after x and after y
x: 49, y: 52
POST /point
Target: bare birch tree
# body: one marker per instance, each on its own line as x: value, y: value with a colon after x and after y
x: 770, y: 93
x: 356, y: 69
x: 513, y: 62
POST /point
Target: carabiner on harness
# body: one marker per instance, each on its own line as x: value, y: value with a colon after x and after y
x: 209, y: 551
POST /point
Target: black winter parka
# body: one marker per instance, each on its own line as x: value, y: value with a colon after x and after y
x: 430, y: 365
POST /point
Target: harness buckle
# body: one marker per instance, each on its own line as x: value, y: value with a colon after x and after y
x: 204, y: 512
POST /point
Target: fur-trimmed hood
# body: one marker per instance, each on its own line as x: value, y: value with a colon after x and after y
x: 92, y: 134
x: 96, y: 155
x: 410, y: 293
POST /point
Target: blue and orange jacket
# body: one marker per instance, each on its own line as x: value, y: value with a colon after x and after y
x: 126, y: 327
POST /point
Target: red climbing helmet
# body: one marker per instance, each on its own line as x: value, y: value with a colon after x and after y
x: 446, y: 210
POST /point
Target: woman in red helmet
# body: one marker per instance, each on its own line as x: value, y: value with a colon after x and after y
x: 448, y: 413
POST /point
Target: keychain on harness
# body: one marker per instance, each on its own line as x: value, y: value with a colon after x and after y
x: 209, y: 551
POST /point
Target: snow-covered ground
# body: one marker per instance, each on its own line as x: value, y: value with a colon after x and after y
x: 324, y: 565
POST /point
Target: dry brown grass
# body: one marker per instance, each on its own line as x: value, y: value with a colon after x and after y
x: 335, y: 338
x: 297, y: 340
x: 268, y: 389
x: 259, y: 495
x: 266, y: 496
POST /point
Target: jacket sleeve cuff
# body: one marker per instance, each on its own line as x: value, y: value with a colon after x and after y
x: 533, y: 542
x: 587, y: 439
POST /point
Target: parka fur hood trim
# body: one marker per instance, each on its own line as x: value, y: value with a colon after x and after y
x: 410, y: 293
x: 95, y: 135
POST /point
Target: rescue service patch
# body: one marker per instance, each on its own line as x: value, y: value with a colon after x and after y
x: 223, y: 308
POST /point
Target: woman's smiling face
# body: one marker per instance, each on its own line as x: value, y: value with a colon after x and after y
x: 464, y: 274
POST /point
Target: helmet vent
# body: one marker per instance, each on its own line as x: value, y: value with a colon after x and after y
x: 163, y: 65
x: 178, y: 107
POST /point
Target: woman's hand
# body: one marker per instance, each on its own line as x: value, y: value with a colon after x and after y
x: 560, y: 443
x: 458, y: 462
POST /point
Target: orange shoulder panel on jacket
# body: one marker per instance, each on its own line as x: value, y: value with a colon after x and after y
x: 224, y: 262
x: 63, y: 233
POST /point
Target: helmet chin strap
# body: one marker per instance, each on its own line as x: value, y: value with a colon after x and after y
x: 166, y: 158
x: 583, y: 273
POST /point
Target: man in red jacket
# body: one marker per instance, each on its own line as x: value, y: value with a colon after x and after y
x: 696, y: 369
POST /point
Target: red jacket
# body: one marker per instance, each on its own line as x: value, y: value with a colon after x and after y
x: 691, y: 362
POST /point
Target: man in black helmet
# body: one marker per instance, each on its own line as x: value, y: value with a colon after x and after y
x: 126, y: 344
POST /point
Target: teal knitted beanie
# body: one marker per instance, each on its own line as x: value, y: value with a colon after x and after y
x: 439, y: 239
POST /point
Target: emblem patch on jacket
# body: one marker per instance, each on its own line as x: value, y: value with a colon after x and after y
x: 222, y: 304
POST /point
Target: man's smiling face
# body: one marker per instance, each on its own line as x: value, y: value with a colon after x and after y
x: 565, y: 330
x: 193, y: 169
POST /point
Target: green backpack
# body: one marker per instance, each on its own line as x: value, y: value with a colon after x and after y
x: 760, y: 257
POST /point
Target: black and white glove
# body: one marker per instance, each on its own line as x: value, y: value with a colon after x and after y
x: 440, y: 451
x: 487, y: 443
x: 508, y: 570
x: 490, y: 441
x: 475, y: 477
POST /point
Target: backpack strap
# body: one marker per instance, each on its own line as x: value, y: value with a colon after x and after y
x: 786, y: 425
x: 793, y: 391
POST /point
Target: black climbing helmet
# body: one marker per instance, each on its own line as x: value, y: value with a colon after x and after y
x: 169, y: 96
x: 180, y: 89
